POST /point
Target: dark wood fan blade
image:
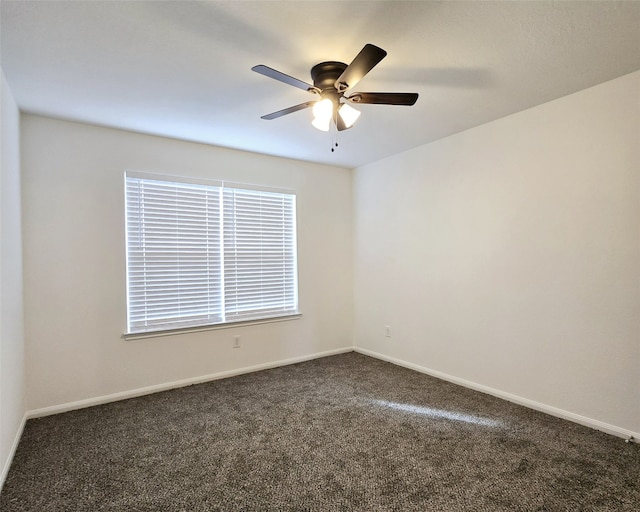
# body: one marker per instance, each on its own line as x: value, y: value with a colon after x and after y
x: 385, y: 98
x: 277, y: 75
x: 364, y: 62
x: 290, y: 110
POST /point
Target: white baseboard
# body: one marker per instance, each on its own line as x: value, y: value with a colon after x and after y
x: 12, y: 452
x: 553, y: 411
x: 80, y: 404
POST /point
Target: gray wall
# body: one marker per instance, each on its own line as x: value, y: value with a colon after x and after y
x: 507, y: 257
x: 12, y: 365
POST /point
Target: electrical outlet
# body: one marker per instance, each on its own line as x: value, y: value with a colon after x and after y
x: 387, y: 331
x: 236, y: 342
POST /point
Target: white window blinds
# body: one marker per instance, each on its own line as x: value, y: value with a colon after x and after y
x: 259, y: 254
x: 201, y: 254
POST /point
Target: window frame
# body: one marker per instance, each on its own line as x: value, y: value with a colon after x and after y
x: 292, y: 314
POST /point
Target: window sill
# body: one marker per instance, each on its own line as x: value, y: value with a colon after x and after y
x: 214, y: 327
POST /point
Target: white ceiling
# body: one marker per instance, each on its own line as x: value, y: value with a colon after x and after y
x: 183, y: 69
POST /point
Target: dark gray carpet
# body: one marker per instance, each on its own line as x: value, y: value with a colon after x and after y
x: 343, y: 433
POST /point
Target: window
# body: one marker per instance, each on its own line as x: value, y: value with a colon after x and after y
x: 204, y: 253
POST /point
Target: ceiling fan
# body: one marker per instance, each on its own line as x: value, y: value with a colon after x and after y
x: 331, y: 80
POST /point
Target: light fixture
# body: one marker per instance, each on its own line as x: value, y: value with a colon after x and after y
x: 322, y: 112
x: 348, y: 114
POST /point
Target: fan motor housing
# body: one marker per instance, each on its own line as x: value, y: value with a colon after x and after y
x: 325, y: 74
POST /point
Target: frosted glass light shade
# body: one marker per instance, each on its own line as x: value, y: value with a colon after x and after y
x: 348, y: 114
x: 323, y: 109
x: 322, y: 123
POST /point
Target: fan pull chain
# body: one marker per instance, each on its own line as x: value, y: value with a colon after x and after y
x: 334, y: 141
